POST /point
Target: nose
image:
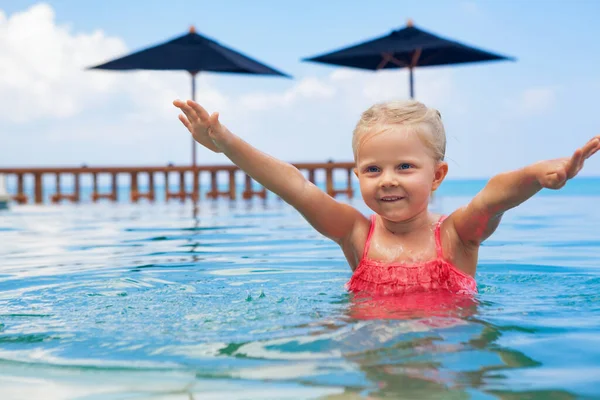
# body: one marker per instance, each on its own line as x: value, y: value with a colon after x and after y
x: 389, y: 179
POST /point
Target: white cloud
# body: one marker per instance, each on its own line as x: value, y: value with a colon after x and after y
x: 41, y: 66
x: 471, y: 8
x: 535, y: 101
x: 307, y: 88
x: 43, y: 73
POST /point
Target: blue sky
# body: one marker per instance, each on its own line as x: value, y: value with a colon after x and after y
x: 498, y: 116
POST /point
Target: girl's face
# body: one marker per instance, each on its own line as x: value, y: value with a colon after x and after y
x: 397, y: 173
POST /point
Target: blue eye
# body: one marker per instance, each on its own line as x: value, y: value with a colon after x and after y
x: 405, y: 166
x: 371, y: 169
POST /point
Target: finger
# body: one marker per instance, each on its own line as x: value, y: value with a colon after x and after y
x: 181, y: 105
x: 213, y: 122
x: 574, y: 163
x: 590, y: 148
x: 214, y: 119
x: 185, y: 122
x: 189, y: 112
x: 202, y: 113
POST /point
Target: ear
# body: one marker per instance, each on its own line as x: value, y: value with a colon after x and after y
x: 355, y: 171
x: 441, y: 170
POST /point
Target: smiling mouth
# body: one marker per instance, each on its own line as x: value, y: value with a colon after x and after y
x: 391, y: 198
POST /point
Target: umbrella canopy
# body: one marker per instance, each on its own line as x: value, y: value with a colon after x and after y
x: 193, y: 53
x: 409, y: 47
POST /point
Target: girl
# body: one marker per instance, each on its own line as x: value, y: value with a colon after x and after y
x: 399, y: 150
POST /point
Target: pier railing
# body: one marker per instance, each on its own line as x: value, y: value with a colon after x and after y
x: 29, y: 184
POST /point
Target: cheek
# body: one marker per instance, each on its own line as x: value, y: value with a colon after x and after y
x: 368, y: 188
x: 422, y: 183
x: 366, y: 185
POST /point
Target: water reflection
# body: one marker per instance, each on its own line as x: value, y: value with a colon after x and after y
x: 430, y: 346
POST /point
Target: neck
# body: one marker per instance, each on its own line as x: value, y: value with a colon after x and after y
x: 417, y: 222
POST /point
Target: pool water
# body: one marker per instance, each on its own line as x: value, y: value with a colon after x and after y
x: 245, y: 301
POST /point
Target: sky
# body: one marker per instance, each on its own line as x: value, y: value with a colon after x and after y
x: 498, y: 115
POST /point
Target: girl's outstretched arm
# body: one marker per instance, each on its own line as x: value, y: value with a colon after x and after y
x: 331, y: 218
x: 480, y: 218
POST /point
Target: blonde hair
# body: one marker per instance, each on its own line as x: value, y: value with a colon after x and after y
x: 409, y: 113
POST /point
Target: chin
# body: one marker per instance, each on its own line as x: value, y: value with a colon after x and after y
x: 398, y: 214
x: 394, y: 215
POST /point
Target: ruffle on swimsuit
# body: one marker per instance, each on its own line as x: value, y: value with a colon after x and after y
x: 383, y: 279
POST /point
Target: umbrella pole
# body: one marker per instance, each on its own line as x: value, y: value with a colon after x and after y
x: 410, y: 77
x: 194, y: 99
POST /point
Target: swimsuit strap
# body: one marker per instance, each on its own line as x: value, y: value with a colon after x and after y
x: 368, y: 242
x: 438, y: 238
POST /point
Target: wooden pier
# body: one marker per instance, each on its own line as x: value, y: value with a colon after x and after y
x: 25, y: 177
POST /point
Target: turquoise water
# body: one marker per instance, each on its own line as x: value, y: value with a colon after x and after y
x: 246, y: 301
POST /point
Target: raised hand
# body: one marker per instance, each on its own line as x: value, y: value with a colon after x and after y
x: 554, y: 174
x: 206, y: 129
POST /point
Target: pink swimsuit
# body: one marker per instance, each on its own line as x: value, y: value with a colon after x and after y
x: 381, y: 279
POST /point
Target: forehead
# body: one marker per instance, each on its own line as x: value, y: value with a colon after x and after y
x: 394, y: 142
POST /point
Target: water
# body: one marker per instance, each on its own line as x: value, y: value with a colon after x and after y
x: 246, y: 301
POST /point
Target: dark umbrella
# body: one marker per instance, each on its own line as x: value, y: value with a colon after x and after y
x: 193, y: 53
x: 409, y: 48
